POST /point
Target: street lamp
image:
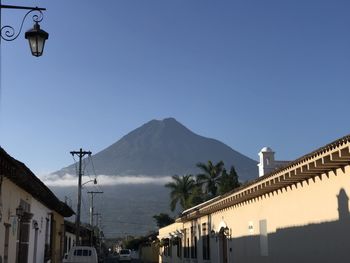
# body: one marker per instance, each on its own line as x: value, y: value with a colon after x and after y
x: 92, y: 180
x: 35, y: 36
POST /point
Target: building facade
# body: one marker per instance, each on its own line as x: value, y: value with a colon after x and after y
x: 298, y: 213
x: 31, y: 216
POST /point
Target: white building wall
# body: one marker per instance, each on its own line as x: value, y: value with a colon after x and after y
x: 40, y: 216
x: 11, y: 197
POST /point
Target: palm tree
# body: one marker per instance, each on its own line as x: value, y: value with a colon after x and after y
x: 181, y: 190
x: 209, y: 177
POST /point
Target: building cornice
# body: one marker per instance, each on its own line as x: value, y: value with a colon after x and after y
x: 321, y: 161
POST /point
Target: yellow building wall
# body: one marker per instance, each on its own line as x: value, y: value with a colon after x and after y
x: 58, y: 238
x: 291, y: 215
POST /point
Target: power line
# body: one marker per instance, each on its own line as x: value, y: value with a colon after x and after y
x: 94, y: 172
x: 75, y: 165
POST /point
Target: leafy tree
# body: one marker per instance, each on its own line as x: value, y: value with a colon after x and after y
x: 132, y: 243
x: 135, y: 242
x: 209, y: 178
x: 228, y: 182
x: 163, y: 220
x: 196, y: 196
x: 181, y: 189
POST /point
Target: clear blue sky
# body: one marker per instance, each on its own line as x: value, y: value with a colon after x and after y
x: 248, y: 73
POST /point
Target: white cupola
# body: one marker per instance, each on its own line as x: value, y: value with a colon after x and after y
x: 267, y: 161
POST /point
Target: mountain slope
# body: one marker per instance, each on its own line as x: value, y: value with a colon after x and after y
x: 166, y: 147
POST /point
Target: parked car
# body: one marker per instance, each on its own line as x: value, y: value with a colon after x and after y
x: 81, y: 254
x: 125, y: 255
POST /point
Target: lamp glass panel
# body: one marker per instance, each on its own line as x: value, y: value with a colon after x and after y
x: 36, y: 45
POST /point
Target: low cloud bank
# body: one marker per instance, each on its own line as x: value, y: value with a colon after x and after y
x: 72, y: 180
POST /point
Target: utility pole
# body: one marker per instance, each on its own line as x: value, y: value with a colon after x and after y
x: 97, y: 218
x: 99, y: 231
x: 92, y: 213
x: 80, y: 154
x: 92, y: 205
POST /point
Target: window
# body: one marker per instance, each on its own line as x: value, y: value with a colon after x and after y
x: 82, y: 252
x: 205, y: 242
x: 193, y: 242
x: 170, y: 248
x: 194, y: 247
x: 47, y: 229
x: 167, y: 250
x: 7, y: 236
x: 188, y: 248
x: 186, y: 245
x: 69, y: 243
x: 124, y: 251
x: 167, y: 247
x: 179, y: 247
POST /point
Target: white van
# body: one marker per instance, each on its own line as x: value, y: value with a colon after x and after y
x: 81, y: 254
x: 124, y: 255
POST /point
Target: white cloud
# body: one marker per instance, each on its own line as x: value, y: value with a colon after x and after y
x: 72, y: 180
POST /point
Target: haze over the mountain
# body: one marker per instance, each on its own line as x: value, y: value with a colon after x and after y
x: 163, y: 148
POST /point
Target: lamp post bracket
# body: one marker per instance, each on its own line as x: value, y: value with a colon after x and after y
x: 22, y: 7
